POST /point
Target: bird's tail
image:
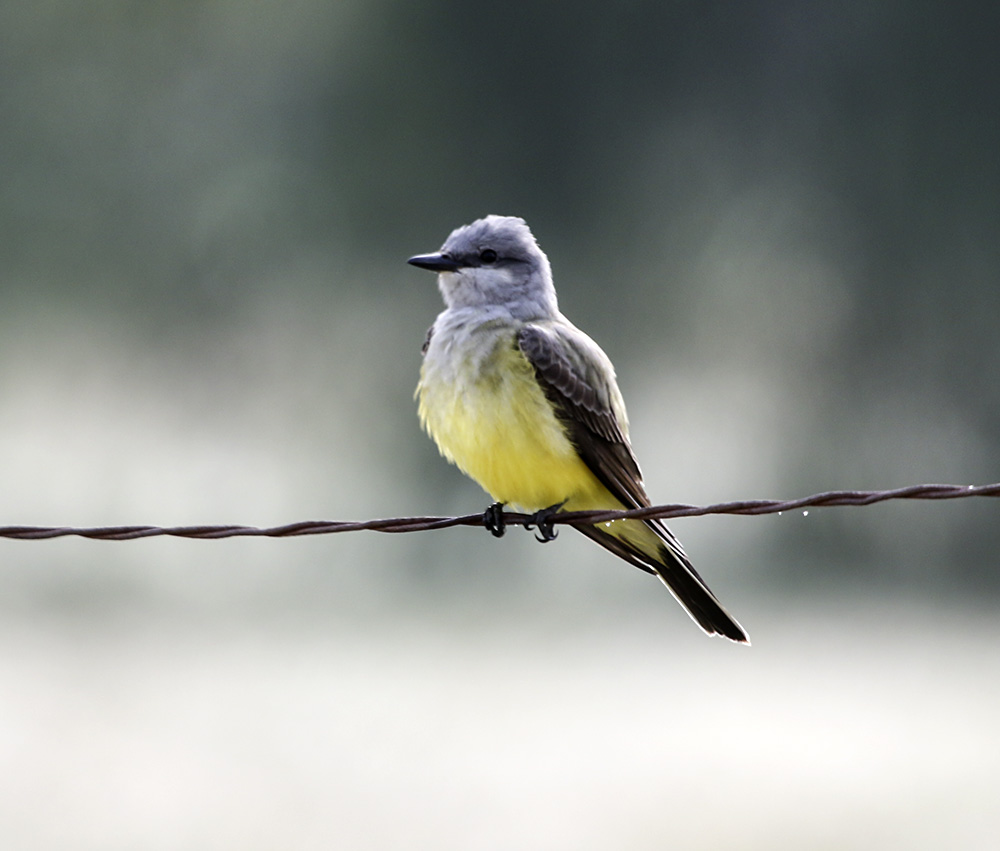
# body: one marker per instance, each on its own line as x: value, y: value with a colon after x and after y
x: 650, y: 546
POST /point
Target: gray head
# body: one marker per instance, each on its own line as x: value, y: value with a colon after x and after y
x: 494, y: 262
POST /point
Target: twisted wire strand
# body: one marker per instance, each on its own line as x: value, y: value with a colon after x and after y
x: 421, y: 524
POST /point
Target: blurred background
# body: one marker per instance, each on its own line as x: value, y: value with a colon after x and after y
x: 781, y: 222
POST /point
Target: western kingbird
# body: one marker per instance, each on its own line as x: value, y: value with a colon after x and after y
x: 526, y: 404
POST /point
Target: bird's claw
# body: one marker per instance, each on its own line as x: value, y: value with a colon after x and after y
x: 542, y: 521
x: 493, y: 520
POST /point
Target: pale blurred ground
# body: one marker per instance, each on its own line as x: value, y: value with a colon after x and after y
x: 780, y: 223
x: 855, y: 724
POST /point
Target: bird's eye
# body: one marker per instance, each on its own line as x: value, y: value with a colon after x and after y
x: 488, y: 255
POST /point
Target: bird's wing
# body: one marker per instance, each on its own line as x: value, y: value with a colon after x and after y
x: 579, y: 381
x: 427, y: 340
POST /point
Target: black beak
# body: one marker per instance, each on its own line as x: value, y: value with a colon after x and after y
x: 435, y: 262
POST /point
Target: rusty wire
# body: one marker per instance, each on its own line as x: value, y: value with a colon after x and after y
x: 419, y: 524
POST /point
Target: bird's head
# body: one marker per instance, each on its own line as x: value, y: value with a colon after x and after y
x: 494, y: 262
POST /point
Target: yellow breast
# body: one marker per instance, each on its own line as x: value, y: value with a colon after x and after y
x: 488, y: 415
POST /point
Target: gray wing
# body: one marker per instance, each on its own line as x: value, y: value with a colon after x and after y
x: 578, y: 380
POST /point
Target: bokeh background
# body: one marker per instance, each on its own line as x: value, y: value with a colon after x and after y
x: 781, y: 220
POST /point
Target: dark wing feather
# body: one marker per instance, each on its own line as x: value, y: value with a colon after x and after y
x: 585, y: 409
x: 591, y: 423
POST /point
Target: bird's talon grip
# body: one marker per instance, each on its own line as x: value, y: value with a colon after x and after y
x: 542, y: 521
x: 493, y: 520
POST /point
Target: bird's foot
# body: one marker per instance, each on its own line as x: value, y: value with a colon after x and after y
x: 493, y: 519
x: 542, y: 520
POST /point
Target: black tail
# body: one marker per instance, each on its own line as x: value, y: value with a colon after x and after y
x: 670, y: 563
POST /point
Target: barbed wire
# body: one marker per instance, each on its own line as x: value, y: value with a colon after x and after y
x: 421, y: 524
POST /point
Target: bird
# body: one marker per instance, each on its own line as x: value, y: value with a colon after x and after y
x: 527, y: 405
